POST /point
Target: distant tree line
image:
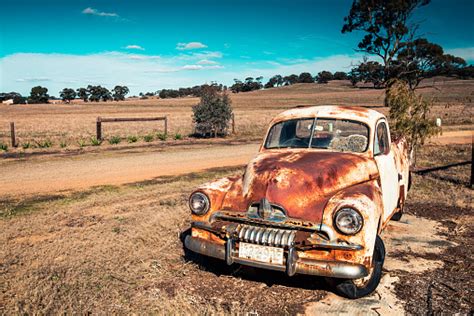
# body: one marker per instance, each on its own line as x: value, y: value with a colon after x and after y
x: 92, y: 93
x: 196, y: 91
x: 95, y: 94
x: 14, y: 96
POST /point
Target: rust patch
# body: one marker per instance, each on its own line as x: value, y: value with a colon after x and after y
x: 301, y: 181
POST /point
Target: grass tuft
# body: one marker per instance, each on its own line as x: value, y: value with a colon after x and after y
x: 81, y: 142
x: 95, y: 141
x: 114, y: 140
x: 44, y: 143
x: 162, y: 136
x: 132, y: 139
x: 3, y: 147
x: 148, y: 138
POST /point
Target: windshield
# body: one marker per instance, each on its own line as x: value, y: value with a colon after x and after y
x: 333, y: 134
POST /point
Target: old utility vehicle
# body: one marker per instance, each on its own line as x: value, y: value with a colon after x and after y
x: 314, y: 201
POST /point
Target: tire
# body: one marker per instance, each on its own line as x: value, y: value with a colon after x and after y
x: 358, y: 288
x: 397, y: 216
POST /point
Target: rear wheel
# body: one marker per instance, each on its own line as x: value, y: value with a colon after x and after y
x: 357, y: 288
x: 397, y: 216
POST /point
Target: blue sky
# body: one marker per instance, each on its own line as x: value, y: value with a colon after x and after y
x: 151, y: 45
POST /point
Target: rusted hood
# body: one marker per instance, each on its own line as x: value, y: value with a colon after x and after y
x: 302, y: 181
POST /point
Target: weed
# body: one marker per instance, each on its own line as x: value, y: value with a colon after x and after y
x: 169, y: 202
x: 162, y: 136
x: 95, y: 141
x: 3, y: 147
x: 178, y: 136
x: 114, y: 140
x: 116, y: 230
x: 63, y: 144
x: 55, y: 277
x: 26, y: 145
x: 148, y: 138
x: 44, y: 144
x: 132, y: 139
x: 120, y: 219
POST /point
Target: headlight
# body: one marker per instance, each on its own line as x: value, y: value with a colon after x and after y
x: 348, y: 221
x: 199, y: 203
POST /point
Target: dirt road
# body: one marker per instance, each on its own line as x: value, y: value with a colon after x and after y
x: 55, y: 174
x: 42, y: 175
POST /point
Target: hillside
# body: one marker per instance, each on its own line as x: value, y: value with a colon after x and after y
x: 253, y: 110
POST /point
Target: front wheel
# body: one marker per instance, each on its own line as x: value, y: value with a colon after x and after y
x: 357, y: 288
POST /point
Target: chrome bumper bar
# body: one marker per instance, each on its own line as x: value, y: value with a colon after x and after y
x: 292, y: 264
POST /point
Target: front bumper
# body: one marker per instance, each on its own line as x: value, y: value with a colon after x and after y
x: 292, y: 264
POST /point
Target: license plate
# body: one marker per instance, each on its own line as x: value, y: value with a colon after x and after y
x: 265, y: 254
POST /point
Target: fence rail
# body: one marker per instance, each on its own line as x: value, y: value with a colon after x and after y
x: 101, y: 120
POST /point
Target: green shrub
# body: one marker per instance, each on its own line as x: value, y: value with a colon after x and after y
x: 132, y: 139
x: 148, y: 138
x: 95, y: 141
x: 3, y: 147
x: 212, y: 115
x: 162, y: 136
x: 409, y: 115
x: 63, y: 144
x: 44, y: 144
x: 114, y: 140
x: 178, y: 136
x: 26, y: 145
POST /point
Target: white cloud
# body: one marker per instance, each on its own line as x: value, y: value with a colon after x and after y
x: 136, y: 47
x: 192, y: 67
x: 200, y: 67
x: 466, y: 53
x: 92, y: 11
x: 190, y: 45
x: 39, y: 79
x: 196, y: 56
x: 206, y: 62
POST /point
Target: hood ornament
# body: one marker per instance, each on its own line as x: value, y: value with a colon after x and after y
x: 265, y: 211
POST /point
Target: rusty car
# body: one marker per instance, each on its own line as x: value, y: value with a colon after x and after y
x: 314, y: 200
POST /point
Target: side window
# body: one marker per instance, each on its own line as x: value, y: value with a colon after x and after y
x: 381, y: 144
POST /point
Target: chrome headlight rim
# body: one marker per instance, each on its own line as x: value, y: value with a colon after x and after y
x: 354, y: 212
x: 206, y: 200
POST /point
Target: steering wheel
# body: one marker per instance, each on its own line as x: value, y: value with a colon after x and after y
x: 293, y: 141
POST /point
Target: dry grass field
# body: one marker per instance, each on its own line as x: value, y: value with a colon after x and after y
x: 117, y: 249
x: 73, y: 124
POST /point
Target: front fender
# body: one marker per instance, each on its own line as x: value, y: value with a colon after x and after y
x: 366, y: 198
x: 216, y: 191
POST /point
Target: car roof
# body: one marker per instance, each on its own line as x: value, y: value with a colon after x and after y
x: 356, y: 113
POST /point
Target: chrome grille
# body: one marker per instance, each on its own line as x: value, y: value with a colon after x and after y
x: 266, y: 236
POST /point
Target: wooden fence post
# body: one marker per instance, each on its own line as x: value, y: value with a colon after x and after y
x: 166, y: 125
x: 472, y: 165
x: 12, y: 130
x: 233, y: 123
x: 99, y: 128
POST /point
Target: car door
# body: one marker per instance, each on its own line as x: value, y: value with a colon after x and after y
x: 387, y: 168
